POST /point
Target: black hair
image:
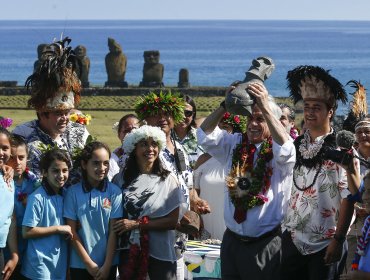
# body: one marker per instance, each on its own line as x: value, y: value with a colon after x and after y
x: 191, y: 102
x: 51, y: 155
x: 17, y: 141
x: 124, y: 118
x: 132, y: 171
x: 5, y: 132
x: 87, y: 152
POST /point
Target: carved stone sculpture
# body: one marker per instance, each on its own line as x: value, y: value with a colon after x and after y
x: 115, y: 64
x: 238, y: 101
x: 83, y: 67
x: 40, y: 49
x: 153, y: 70
x: 183, y: 78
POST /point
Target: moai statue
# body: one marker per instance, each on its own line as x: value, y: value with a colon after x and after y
x: 115, y: 64
x: 153, y: 70
x: 40, y: 49
x: 183, y: 78
x: 83, y: 67
x: 238, y: 101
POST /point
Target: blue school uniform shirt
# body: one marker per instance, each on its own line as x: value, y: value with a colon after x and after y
x: 6, y: 209
x: 29, y: 184
x: 93, y: 208
x: 45, y: 257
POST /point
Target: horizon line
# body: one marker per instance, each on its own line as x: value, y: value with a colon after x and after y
x: 157, y: 19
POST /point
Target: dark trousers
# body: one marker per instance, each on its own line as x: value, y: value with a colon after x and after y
x: 157, y: 269
x: 83, y: 274
x: 257, y: 260
x: 306, y: 267
x: 1, y: 263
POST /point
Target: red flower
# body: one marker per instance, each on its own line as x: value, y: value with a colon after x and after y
x: 227, y: 115
x: 236, y: 119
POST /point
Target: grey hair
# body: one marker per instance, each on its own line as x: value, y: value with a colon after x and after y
x: 276, y: 110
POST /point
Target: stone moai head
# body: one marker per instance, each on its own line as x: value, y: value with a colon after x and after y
x: 151, y: 57
x: 238, y: 101
x: 114, y: 47
x: 80, y: 51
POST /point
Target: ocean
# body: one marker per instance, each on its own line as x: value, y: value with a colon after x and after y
x: 216, y: 53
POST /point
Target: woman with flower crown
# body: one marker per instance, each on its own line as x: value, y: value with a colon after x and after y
x: 260, y: 164
x: 154, y: 204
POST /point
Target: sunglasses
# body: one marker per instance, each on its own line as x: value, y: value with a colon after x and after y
x: 188, y: 113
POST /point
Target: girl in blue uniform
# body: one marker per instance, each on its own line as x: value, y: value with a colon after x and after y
x: 94, y: 204
x: 25, y: 182
x: 43, y: 224
x: 6, y: 211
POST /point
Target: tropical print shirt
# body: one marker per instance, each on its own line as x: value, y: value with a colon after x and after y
x: 186, y: 182
x: 190, y: 145
x: 313, y: 212
x: 74, y: 137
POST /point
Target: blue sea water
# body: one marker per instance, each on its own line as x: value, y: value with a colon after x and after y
x: 216, y: 53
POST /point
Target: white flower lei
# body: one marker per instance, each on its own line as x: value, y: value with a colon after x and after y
x: 309, y: 150
x: 143, y: 132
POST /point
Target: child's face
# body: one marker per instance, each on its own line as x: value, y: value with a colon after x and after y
x: 97, y: 166
x: 57, y: 174
x: 4, y: 149
x: 18, y: 159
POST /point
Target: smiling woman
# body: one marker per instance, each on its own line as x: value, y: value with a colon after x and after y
x: 154, y: 204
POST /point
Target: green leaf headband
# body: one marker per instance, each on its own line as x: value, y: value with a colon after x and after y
x: 152, y: 104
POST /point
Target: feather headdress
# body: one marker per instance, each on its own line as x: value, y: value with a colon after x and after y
x: 54, y: 85
x: 315, y: 83
x: 358, y: 109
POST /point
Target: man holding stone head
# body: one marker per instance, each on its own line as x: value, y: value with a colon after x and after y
x: 260, y: 167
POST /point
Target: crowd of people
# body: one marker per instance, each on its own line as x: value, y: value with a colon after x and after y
x: 281, y: 200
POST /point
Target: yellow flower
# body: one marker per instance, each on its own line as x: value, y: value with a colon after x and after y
x: 73, y: 117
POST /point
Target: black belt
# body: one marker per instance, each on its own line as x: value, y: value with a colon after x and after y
x: 249, y: 239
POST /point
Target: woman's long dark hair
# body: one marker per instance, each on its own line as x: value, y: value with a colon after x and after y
x: 132, y: 171
x: 191, y: 102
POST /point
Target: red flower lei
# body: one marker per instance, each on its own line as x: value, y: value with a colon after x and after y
x: 138, y: 258
x: 260, y: 175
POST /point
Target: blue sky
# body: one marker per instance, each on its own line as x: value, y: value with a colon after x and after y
x: 189, y: 9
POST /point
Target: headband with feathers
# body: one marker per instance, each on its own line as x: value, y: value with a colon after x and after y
x: 315, y: 83
x: 358, y: 110
x: 54, y: 85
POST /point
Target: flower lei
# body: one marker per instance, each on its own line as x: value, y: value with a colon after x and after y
x: 22, y: 196
x: 236, y: 121
x: 80, y: 118
x: 138, y: 258
x: 152, y: 104
x: 5, y: 122
x: 260, y: 175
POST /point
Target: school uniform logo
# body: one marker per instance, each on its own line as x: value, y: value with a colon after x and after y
x: 107, y: 203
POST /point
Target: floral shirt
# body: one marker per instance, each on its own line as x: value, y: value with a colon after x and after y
x: 190, y: 145
x: 186, y: 182
x: 313, y: 212
x: 74, y: 137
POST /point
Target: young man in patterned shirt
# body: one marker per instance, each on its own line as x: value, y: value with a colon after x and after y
x: 319, y: 210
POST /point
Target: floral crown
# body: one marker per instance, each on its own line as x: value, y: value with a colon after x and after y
x: 238, y: 122
x: 80, y: 118
x: 152, y: 104
x: 5, y: 122
x: 143, y: 132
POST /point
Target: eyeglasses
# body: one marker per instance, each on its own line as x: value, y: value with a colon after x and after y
x: 188, y: 113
